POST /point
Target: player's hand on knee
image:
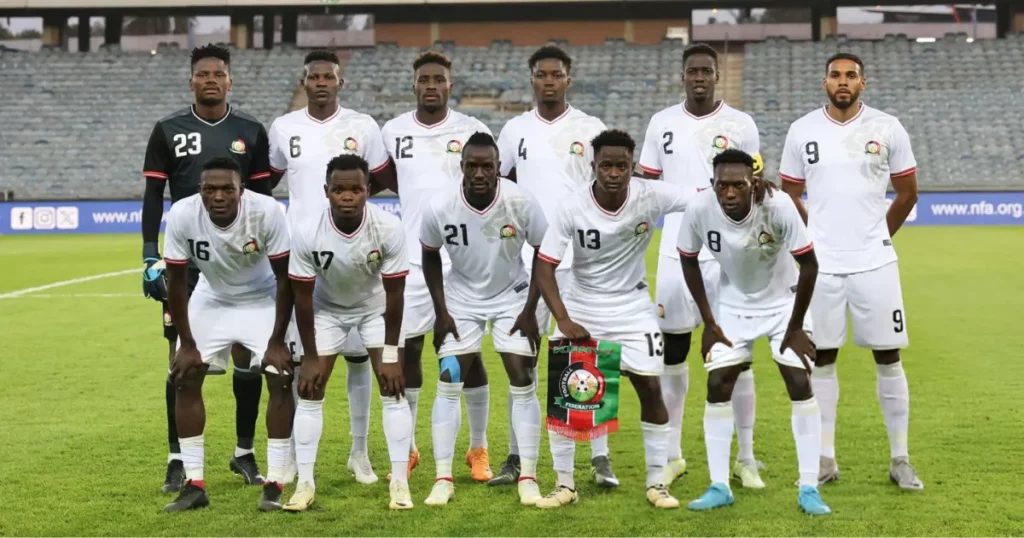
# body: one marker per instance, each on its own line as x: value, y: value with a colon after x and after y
x: 277, y: 360
x: 526, y: 324
x: 187, y: 362
x: 392, y: 380
x: 443, y: 326
x: 712, y: 335
x: 572, y: 330
x: 154, y: 284
x: 311, y: 376
x: 801, y: 344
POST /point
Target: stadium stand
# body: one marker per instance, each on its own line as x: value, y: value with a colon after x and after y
x: 76, y: 125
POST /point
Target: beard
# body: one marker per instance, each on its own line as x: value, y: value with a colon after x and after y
x: 431, y: 108
x: 843, y: 105
x: 209, y: 101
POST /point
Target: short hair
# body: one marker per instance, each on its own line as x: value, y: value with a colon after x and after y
x: 844, y: 56
x: 223, y: 163
x: 431, y: 57
x: 348, y: 162
x: 733, y: 156
x: 698, y: 49
x: 613, y: 138
x: 550, y: 52
x: 321, y: 56
x: 211, y: 51
x: 480, y: 139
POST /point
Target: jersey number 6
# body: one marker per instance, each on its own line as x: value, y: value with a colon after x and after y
x: 293, y: 147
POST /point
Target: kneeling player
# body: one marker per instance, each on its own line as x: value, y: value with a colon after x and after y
x: 358, y: 252
x: 483, y: 223
x: 239, y: 241
x: 608, y: 224
x: 756, y: 299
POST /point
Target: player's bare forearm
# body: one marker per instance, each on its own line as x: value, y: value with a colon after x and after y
x: 544, y: 273
x: 394, y: 305
x: 275, y: 179
x: 795, y: 191
x: 695, y: 283
x: 152, y: 209
x: 433, y: 274
x: 285, y: 299
x: 533, y: 296
x: 385, y: 179
x: 903, y: 204
x: 804, y: 287
x: 303, y: 293
x: 177, y: 301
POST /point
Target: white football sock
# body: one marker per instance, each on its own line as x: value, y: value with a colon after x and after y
x: 277, y: 459
x: 413, y: 397
x: 673, y: 389
x: 359, y: 387
x: 744, y: 406
x: 478, y: 403
x: 173, y: 456
x: 513, y: 442
x: 309, y: 426
x: 239, y: 452
x: 526, y: 420
x: 655, y: 447
x: 718, y: 422
x: 192, y: 456
x: 807, y: 434
x: 825, y: 385
x: 599, y: 446
x: 894, y: 396
x: 397, y: 430
x: 563, y: 455
x: 445, y: 421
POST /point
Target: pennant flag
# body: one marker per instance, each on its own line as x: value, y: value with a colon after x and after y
x: 583, y: 388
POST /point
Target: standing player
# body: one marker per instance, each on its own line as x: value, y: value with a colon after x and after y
x: 239, y: 241
x: 608, y: 225
x: 483, y: 223
x: 680, y: 143
x: 301, y: 144
x: 547, y: 151
x: 426, y: 147
x: 178, y: 147
x: 355, y: 253
x: 846, y: 154
x: 755, y: 300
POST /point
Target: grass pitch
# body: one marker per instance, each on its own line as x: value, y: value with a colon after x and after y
x: 82, y: 433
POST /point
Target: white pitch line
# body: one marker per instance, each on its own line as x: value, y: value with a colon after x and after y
x: 73, y: 295
x: 62, y: 283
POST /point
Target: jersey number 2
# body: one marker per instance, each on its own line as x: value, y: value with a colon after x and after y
x: 451, y: 234
x: 667, y: 137
x: 187, y: 144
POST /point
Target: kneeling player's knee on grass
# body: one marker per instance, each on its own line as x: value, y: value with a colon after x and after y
x: 798, y: 383
x: 886, y: 356
x: 825, y: 357
x: 677, y: 346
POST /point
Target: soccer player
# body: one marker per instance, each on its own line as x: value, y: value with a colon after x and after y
x: 680, y: 143
x: 847, y: 153
x: 483, y: 223
x: 426, y: 147
x: 547, y: 152
x: 301, y: 144
x: 355, y: 254
x: 239, y: 241
x: 755, y: 300
x: 178, y: 147
x: 608, y: 224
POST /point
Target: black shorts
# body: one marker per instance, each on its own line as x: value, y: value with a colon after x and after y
x: 170, y: 332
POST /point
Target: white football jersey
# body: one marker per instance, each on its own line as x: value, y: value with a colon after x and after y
x: 757, y: 272
x: 552, y: 158
x: 348, y: 268
x: 301, y: 146
x: 428, y: 158
x: 234, y: 261
x: 847, y: 167
x: 609, y: 247
x: 680, y: 147
x: 484, y: 246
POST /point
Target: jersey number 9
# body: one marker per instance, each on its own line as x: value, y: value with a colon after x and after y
x: 811, y: 149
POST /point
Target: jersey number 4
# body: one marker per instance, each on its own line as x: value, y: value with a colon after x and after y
x: 403, y: 147
x: 199, y: 249
x: 522, y: 149
x: 452, y: 232
x: 187, y: 144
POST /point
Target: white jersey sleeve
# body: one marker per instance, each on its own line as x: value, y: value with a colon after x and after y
x: 395, y: 256
x: 557, y: 237
x: 301, y: 264
x: 650, y: 155
x: 507, y: 148
x: 901, y: 156
x: 278, y: 160
x: 671, y: 198
x: 537, y: 226
x: 430, y: 232
x: 690, y: 241
x: 376, y: 153
x: 277, y: 237
x: 175, y: 248
x: 791, y: 167
x: 794, y: 232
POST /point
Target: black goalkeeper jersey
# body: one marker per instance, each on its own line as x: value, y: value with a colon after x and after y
x: 182, y: 143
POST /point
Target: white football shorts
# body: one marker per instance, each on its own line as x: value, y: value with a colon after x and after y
x: 473, y: 325
x: 742, y: 328
x: 353, y: 346
x: 677, y: 311
x: 875, y: 301
x: 217, y: 325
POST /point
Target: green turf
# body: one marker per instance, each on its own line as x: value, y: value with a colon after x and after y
x: 82, y: 438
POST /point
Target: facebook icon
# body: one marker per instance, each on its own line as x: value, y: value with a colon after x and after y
x: 21, y: 218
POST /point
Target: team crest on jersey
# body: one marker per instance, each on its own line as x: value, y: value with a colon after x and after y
x: 720, y: 142
x: 238, y: 146
x: 576, y: 148
x: 765, y: 238
x: 351, y: 144
x: 454, y: 146
x: 641, y: 228
x: 251, y: 247
x: 373, y: 256
x: 872, y: 148
x: 507, y: 231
